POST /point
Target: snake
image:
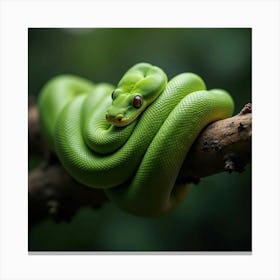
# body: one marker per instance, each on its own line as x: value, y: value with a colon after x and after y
x: 130, y: 139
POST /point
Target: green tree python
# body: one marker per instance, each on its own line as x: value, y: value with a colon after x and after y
x: 130, y: 140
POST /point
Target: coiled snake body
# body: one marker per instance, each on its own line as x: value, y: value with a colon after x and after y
x: 130, y: 140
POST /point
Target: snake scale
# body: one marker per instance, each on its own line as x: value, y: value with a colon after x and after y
x: 132, y: 139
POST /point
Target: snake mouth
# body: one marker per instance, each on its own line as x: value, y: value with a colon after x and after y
x: 119, y: 120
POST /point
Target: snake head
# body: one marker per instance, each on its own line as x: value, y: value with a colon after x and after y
x: 125, y: 108
x: 138, y: 88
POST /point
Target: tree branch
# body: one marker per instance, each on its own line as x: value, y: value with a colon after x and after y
x: 224, y: 145
x: 53, y: 193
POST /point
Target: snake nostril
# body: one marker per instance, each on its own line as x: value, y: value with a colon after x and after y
x: 119, y: 117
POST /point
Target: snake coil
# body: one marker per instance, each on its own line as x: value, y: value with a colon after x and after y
x: 130, y: 140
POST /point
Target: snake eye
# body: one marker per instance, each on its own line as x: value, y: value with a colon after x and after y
x: 137, y: 101
x: 112, y: 94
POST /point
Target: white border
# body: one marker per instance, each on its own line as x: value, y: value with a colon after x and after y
x: 17, y: 16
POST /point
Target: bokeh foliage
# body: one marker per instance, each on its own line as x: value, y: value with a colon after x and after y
x: 217, y: 213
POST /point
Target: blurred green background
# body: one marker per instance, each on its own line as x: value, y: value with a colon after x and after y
x: 216, y: 215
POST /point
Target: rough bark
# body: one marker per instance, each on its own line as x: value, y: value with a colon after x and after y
x: 53, y: 193
x: 224, y: 145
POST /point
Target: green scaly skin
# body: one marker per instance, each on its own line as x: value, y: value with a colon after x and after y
x: 134, y: 154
